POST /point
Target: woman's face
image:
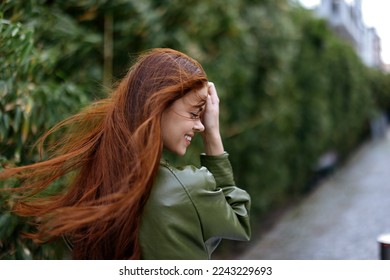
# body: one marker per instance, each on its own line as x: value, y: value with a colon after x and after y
x: 182, y: 120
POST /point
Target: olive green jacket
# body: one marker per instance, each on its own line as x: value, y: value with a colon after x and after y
x: 190, y: 210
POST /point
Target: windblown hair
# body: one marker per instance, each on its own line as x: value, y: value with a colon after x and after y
x: 110, y: 155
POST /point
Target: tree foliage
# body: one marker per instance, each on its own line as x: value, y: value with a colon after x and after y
x: 290, y: 89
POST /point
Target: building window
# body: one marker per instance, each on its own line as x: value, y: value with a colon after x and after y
x: 335, y: 6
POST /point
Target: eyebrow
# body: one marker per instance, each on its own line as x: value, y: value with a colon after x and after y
x: 200, y: 106
x: 196, y: 102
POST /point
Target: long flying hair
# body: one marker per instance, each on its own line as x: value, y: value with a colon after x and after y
x: 109, y: 153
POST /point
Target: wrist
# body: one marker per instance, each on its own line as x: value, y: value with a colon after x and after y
x: 213, y: 144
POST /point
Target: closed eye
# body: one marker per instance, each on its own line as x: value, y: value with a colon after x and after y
x: 194, y: 115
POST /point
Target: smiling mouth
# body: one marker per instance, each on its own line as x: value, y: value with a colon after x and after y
x: 188, y: 138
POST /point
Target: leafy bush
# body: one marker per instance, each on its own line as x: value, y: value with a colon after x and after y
x: 290, y: 90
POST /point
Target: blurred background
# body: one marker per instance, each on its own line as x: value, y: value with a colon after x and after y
x: 300, y: 88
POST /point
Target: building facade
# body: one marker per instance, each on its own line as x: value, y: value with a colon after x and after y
x: 347, y: 21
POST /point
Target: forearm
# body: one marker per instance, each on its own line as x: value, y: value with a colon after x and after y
x: 211, y: 136
x: 213, y: 145
x: 220, y: 167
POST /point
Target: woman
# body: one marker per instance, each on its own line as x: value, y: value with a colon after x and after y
x: 122, y: 200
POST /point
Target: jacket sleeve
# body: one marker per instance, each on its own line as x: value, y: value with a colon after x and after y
x: 223, y: 208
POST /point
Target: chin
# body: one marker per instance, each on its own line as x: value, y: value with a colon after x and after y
x: 181, y: 153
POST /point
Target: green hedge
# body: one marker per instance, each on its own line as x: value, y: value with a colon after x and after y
x: 290, y: 90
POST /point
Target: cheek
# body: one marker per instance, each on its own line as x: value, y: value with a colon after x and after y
x: 169, y: 128
x: 164, y: 128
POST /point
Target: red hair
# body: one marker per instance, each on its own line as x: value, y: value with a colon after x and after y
x: 110, y: 154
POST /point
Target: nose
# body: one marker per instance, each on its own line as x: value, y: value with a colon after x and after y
x: 198, y: 126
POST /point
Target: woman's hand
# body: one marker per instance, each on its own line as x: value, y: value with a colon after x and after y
x: 211, y: 134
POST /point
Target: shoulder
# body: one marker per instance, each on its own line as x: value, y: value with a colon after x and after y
x: 175, y: 187
x: 188, y: 176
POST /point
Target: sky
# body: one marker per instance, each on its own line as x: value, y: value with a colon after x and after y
x: 375, y: 14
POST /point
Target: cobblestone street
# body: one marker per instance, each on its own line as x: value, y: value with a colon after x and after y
x: 341, y: 219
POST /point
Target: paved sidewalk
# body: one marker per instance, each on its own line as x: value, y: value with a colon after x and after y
x: 341, y: 219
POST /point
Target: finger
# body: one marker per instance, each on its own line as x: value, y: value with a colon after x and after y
x: 213, y: 93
